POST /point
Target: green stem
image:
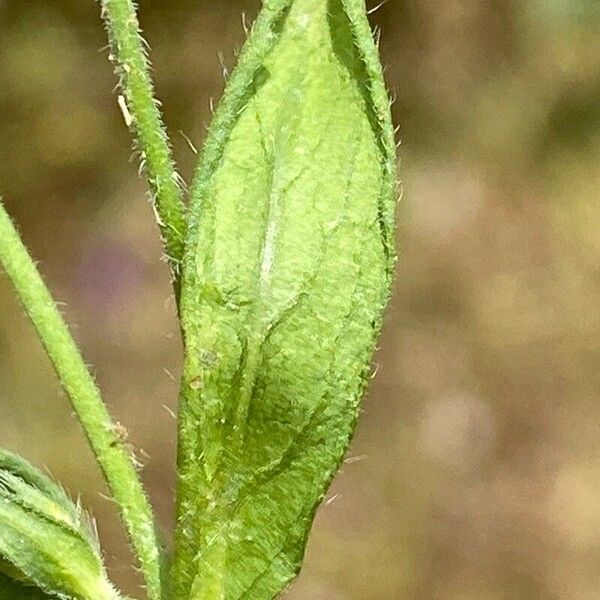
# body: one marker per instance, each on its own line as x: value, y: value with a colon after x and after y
x: 142, y: 114
x: 111, y: 453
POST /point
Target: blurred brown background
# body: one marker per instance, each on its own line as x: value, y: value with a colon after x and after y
x: 475, y: 472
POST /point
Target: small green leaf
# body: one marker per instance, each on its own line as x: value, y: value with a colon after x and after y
x: 37, y: 492
x: 46, y: 540
x: 287, y: 272
x: 13, y: 464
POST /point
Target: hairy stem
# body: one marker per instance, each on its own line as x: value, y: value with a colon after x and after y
x: 111, y: 453
x: 142, y: 114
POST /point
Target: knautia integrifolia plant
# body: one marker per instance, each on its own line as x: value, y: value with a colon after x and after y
x: 281, y: 262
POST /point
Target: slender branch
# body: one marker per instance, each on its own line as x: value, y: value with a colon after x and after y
x: 111, y: 453
x: 143, y: 115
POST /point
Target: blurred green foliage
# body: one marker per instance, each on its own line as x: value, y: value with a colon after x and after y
x: 474, y: 474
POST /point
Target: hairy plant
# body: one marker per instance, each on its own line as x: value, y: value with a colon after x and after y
x: 281, y: 263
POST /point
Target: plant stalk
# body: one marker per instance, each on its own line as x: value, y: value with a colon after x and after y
x: 143, y: 116
x: 111, y: 453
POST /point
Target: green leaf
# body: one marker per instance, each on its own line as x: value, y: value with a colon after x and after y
x: 287, y: 272
x: 46, y: 540
x: 20, y: 480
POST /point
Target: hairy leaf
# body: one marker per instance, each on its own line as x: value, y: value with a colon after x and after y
x: 287, y: 272
x: 46, y: 540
